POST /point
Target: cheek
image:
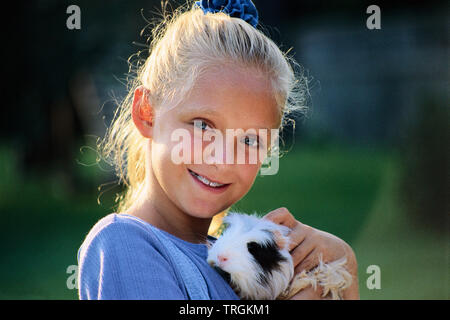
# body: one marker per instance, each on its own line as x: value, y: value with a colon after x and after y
x: 169, y: 140
x: 247, y: 174
x: 164, y: 170
x: 164, y: 167
x: 183, y: 147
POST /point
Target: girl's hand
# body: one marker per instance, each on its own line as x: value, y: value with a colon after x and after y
x: 307, y: 244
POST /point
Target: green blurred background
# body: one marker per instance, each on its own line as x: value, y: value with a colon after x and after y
x: 370, y: 162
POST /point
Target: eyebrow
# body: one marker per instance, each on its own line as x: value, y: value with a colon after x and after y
x: 204, y: 110
x: 208, y: 111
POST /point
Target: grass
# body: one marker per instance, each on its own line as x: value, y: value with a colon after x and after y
x: 413, y: 260
x: 348, y: 192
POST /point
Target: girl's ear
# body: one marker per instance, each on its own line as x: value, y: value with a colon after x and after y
x: 142, y: 112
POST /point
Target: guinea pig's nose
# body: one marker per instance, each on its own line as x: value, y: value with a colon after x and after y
x: 222, y: 258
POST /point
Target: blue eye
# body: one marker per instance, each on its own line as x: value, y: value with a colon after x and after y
x: 250, y: 141
x: 198, y: 123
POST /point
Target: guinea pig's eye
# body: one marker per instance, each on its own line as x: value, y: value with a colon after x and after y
x: 267, y: 255
x: 253, y: 247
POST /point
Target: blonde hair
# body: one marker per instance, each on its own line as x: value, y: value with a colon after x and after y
x: 184, y: 44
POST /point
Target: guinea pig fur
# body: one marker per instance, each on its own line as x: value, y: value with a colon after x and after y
x: 253, y: 254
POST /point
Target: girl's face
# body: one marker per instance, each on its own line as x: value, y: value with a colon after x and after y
x: 226, y: 98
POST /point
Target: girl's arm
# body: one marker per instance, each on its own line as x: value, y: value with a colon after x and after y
x: 308, y: 244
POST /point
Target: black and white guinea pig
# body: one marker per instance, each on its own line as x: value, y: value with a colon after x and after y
x: 253, y: 254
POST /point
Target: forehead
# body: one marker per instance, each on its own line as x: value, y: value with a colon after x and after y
x: 239, y: 98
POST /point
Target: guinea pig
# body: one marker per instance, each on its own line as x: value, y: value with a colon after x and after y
x: 252, y: 254
x: 248, y: 255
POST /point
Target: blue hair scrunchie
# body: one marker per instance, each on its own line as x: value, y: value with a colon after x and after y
x: 244, y: 9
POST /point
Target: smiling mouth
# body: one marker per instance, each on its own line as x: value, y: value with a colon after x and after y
x: 207, y: 182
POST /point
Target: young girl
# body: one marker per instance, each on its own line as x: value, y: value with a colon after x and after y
x: 210, y: 70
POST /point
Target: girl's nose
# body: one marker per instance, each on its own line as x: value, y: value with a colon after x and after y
x: 216, y: 152
x: 220, y: 151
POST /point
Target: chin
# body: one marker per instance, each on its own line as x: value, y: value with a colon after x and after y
x: 203, y: 211
x: 201, y: 208
x: 199, y: 205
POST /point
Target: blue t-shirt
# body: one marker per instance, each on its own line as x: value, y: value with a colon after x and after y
x: 121, y: 258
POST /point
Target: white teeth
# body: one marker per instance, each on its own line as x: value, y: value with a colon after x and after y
x: 206, y: 181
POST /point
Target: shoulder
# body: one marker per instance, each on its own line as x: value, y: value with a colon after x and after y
x: 115, y: 222
x: 122, y: 258
x: 120, y: 234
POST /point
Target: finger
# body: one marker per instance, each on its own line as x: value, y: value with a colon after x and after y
x: 280, y: 240
x: 308, y: 294
x: 297, y: 235
x: 281, y: 216
x: 300, y: 252
x: 310, y: 261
